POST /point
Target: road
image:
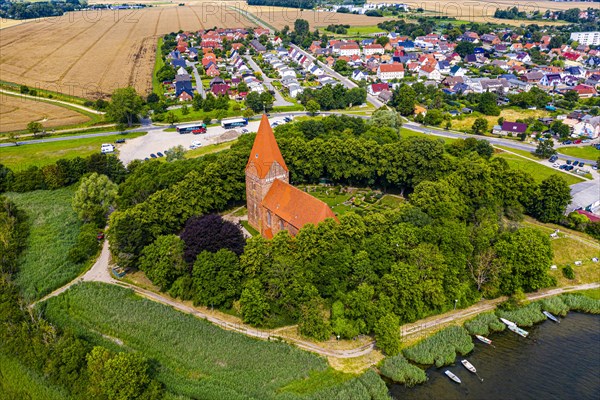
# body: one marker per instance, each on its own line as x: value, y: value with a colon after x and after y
x: 279, y: 100
x: 37, y: 98
x: 199, y: 86
x: 100, y: 272
x: 345, y: 81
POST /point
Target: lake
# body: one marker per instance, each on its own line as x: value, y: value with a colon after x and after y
x: 556, y: 361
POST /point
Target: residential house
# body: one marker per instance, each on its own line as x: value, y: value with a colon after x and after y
x: 359, y: 75
x: 376, y: 88
x: 212, y: 70
x: 457, y: 71
x: 387, y: 72
x: 585, y: 91
x: 349, y: 49
x: 430, y: 72
x: 589, y: 128
x: 220, y: 89
x: 551, y: 80
x: 257, y: 46
x: 371, y: 49
x: 514, y: 128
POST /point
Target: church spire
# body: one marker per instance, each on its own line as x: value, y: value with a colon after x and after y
x: 265, y: 150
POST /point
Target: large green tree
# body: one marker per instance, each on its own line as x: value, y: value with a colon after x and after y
x: 387, y: 334
x: 217, y: 278
x: 162, y: 261
x: 94, y: 197
x: 404, y: 99
x: 125, y: 104
x: 254, y: 305
x: 552, y: 199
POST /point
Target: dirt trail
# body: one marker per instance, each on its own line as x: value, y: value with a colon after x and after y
x: 100, y: 272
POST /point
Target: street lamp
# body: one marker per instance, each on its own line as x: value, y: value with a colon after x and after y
x: 455, y: 301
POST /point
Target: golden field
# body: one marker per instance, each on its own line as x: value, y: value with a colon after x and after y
x: 89, y: 54
x: 16, y: 113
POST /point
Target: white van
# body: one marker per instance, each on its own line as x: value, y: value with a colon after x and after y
x: 107, y: 148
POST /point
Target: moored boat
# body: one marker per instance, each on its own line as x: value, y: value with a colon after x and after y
x: 550, y: 316
x: 507, y: 322
x: 469, y: 366
x: 483, y: 339
x: 452, y: 376
x: 518, y: 330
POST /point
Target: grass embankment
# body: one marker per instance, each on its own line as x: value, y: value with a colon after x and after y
x: 250, y: 229
x: 54, y: 227
x: 40, y: 154
x: 538, y: 171
x: 586, y: 152
x: 404, y: 132
x: 203, y: 360
x: 19, y: 382
x: 211, y: 148
x: 158, y: 64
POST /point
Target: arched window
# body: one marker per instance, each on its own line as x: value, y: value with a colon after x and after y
x: 281, y: 225
x: 268, y: 218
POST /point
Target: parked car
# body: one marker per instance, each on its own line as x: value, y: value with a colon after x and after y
x: 570, y: 167
x: 569, y: 162
x: 575, y: 163
x: 146, y: 159
x: 159, y: 154
x: 585, y: 141
x: 245, y: 130
x: 567, y: 142
x: 120, y: 141
x: 553, y: 158
x: 287, y: 119
x: 564, y: 166
x: 153, y: 155
x: 577, y: 141
x: 581, y: 164
x: 100, y: 236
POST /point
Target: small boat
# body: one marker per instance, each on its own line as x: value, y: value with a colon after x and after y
x: 507, y: 322
x: 550, y: 316
x: 518, y: 330
x: 483, y: 339
x: 452, y: 376
x: 469, y: 366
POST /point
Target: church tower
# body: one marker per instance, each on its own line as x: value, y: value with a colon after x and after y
x: 265, y: 165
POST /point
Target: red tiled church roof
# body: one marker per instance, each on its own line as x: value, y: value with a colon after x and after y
x: 295, y: 206
x: 265, y: 150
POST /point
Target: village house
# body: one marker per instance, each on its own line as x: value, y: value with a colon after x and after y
x: 513, y: 128
x: 589, y: 128
x: 371, y: 49
x: 273, y: 204
x: 386, y: 72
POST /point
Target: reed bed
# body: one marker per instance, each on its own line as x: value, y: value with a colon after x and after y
x: 577, y: 302
x: 524, y: 316
x: 554, y: 305
x: 484, y: 323
x: 398, y: 369
x: 441, y: 348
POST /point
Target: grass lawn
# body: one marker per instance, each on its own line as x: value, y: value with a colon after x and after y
x: 54, y: 227
x: 524, y: 153
x: 211, y: 148
x: 538, y: 171
x: 19, y: 382
x: 193, y: 357
x: 587, y: 152
x: 40, y: 154
x: 250, y: 229
x: 593, y: 293
x: 509, y: 114
x: 360, y: 31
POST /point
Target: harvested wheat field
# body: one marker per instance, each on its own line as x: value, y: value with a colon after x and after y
x: 89, y: 54
x: 16, y: 113
x: 483, y: 10
x: 278, y: 17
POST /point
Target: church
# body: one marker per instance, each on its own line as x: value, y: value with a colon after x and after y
x: 273, y: 204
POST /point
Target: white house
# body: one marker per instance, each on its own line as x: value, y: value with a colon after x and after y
x: 374, y: 48
x: 586, y: 38
x: 287, y: 73
x: 589, y: 128
x: 349, y: 49
x: 359, y: 75
x: 430, y: 73
x: 387, y: 72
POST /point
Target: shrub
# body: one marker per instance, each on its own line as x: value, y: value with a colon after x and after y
x: 399, y: 370
x: 441, y: 348
x: 484, y: 323
x: 568, y: 272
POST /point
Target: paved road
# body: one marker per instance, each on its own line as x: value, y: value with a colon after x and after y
x: 345, y: 81
x: 100, y: 272
x: 199, y: 86
x: 36, y: 98
x: 279, y: 100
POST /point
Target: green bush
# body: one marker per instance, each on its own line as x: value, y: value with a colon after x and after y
x: 399, y: 370
x: 441, y: 348
x: 86, y: 246
x: 568, y: 272
x: 524, y: 316
x: 484, y: 323
x: 577, y: 302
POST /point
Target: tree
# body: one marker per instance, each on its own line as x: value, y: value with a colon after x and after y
x: 545, y: 149
x: 185, y: 110
x: 254, y: 305
x: 312, y: 323
x: 121, y: 376
x: 175, y: 153
x: 480, y: 126
x: 382, y: 40
x: 404, y: 99
x: 162, y: 261
x: 171, y: 118
x: 464, y: 48
x: 312, y: 107
x: 571, y: 96
x: 125, y: 104
x: 197, y: 102
x: 387, y: 334
x: 386, y: 118
x: 551, y: 200
x: 94, y: 197
x: 341, y: 67
x: 562, y: 130
x: 211, y: 233
x: 217, y: 278
x: 35, y: 127
x: 253, y: 101
x: 433, y: 117
x: 267, y: 101
x: 488, y: 104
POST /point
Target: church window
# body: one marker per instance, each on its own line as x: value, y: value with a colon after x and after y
x: 268, y: 218
x: 281, y: 224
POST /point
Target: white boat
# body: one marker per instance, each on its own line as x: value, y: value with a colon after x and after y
x: 518, y: 330
x: 469, y: 366
x: 483, y: 339
x: 452, y: 376
x: 507, y: 322
x: 550, y: 316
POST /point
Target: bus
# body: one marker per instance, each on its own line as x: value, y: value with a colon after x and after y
x: 230, y: 123
x: 195, y: 129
